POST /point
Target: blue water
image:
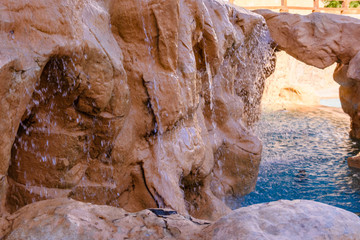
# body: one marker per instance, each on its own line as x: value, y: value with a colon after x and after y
x: 312, y: 140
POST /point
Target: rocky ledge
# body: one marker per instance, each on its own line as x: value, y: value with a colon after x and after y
x: 70, y: 219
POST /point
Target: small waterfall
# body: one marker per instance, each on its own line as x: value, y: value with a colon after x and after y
x: 157, y: 140
x: 59, y: 136
x: 256, y: 53
x: 36, y: 133
x: 253, y: 61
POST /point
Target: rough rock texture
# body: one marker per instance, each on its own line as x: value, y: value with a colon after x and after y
x: 296, y: 220
x: 134, y: 104
x: 68, y: 219
x: 354, y: 162
x: 320, y: 39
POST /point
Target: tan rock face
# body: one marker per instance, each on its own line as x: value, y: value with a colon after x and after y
x: 320, y: 40
x: 133, y: 104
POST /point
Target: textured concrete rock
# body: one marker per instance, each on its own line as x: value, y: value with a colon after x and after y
x: 68, y: 219
x: 299, y: 219
x: 320, y: 39
x: 133, y: 104
x: 70, y: 89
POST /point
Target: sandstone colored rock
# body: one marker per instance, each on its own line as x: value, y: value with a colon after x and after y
x: 299, y: 219
x: 68, y: 219
x: 133, y: 104
x: 354, y: 162
x: 320, y: 39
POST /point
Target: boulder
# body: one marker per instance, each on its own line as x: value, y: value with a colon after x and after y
x: 297, y: 220
x: 69, y: 219
x: 63, y: 218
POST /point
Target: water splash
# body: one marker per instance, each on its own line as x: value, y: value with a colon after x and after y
x: 257, y: 53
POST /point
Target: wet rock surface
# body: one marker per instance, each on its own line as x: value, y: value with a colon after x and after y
x: 69, y: 219
x: 320, y: 39
x: 133, y: 104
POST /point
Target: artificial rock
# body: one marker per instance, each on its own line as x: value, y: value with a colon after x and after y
x: 282, y: 220
x: 133, y: 104
x: 69, y: 219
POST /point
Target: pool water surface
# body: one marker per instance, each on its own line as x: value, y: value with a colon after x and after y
x: 304, y: 157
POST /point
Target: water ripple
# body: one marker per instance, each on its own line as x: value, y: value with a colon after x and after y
x: 304, y: 157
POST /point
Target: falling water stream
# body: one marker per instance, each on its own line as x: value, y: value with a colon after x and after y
x: 304, y: 157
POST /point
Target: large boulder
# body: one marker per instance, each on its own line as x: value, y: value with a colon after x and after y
x: 133, y: 104
x: 69, y: 219
x: 296, y: 220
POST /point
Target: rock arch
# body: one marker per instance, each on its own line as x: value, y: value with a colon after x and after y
x: 320, y: 40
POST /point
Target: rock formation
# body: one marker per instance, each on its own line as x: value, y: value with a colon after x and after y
x: 320, y: 39
x: 354, y: 162
x: 133, y: 104
x: 138, y: 105
x: 69, y: 219
x: 296, y: 220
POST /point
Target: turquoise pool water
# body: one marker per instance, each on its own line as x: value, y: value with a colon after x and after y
x: 304, y: 157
